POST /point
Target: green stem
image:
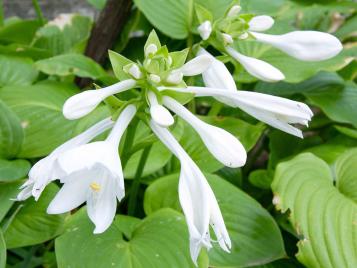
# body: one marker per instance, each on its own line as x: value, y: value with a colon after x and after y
x: 136, y: 183
x: 215, y: 109
x: 38, y: 11
x: 1, y: 13
x: 128, y: 143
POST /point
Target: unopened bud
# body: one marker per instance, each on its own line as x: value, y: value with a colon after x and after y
x: 205, y: 30
x: 155, y: 78
x: 244, y: 36
x: 175, y: 77
x: 150, y: 49
x: 135, y: 72
x: 234, y: 11
x: 227, y: 38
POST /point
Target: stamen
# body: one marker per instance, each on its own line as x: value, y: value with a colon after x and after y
x: 95, y: 186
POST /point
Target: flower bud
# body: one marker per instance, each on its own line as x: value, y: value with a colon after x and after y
x: 205, y: 30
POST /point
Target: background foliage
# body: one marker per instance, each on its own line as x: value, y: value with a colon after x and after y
x: 312, y: 182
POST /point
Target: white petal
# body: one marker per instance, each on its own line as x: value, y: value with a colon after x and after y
x: 217, y: 75
x: 304, y: 45
x: 223, y: 146
x: 234, y: 11
x: 155, y: 78
x: 72, y: 194
x: 158, y: 112
x: 205, y: 30
x: 83, y: 103
x: 150, y: 49
x: 257, y: 68
x: 135, y: 72
x: 175, y: 77
x: 261, y: 23
x: 227, y: 38
x: 101, y: 205
x: 196, y: 66
x: 26, y: 191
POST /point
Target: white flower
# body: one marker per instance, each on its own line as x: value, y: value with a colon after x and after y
x: 93, y: 173
x: 197, y: 199
x: 150, y: 49
x: 135, y: 72
x: 205, y: 30
x: 159, y: 113
x: 234, y: 11
x: 223, y: 146
x: 258, y: 68
x: 85, y: 102
x: 227, y: 38
x: 304, y: 45
x: 275, y: 111
x: 261, y: 23
x: 45, y: 170
x: 191, y: 68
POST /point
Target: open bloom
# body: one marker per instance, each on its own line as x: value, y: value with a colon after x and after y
x: 196, y: 198
x: 93, y: 173
x: 45, y: 170
x: 302, y: 45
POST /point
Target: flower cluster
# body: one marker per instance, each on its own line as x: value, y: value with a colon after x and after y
x: 91, y: 172
x: 302, y: 45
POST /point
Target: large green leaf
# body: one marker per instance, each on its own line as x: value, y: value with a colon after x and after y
x: 256, y: 239
x: 2, y: 251
x: 64, y: 34
x: 293, y: 69
x: 32, y: 225
x: 8, y: 191
x: 11, y: 132
x: 16, y: 71
x: 324, y: 218
x: 13, y: 170
x: 338, y: 104
x: 160, y: 240
x: 172, y: 17
x: 39, y: 108
x: 71, y: 64
x: 346, y: 174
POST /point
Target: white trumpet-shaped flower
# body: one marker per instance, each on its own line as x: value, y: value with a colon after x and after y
x: 92, y: 173
x: 304, y: 45
x: 197, y: 199
x: 85, y: 102
x: 275, y: 111
x: 261, y: 23
x: 45, y: 170
x: 258, y: 68
x: 159, y: 113
x: 205, y: 30
x: 226, y: 148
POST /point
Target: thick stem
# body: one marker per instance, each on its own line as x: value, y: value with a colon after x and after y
x: 136, y: 183
x: 38, y: 11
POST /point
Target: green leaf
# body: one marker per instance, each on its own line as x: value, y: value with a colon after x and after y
x: 160, y: 240
x: 294, y: 70
x: 324, y: 218
x: 98, y: 4
x: 346, y: 170
x: 2, y: 251
x: 71, y: 64
x: 337, y: 104
x: 16, y: 71
x: 32, y: 225
x: 39, y: 108
x: 11, y: 132
x: 261, y: 178
x: 13, y: 170
x: 64, y: 34
x: 8, y: 191
x: 218, y: 8
x: 19, y: 31
x: 255, y: 236
x: 118, y: 62
x: 172, y: 17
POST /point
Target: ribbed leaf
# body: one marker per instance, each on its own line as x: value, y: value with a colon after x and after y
x: 13, y: 170
x: 323, y: 217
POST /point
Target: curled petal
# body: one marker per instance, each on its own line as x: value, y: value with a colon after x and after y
x: 304, y: 45
x: 257, y: 68
x: 261, y: 23
x: 83, y: 103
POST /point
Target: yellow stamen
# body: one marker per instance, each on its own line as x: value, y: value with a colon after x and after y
x: 95, y: 186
